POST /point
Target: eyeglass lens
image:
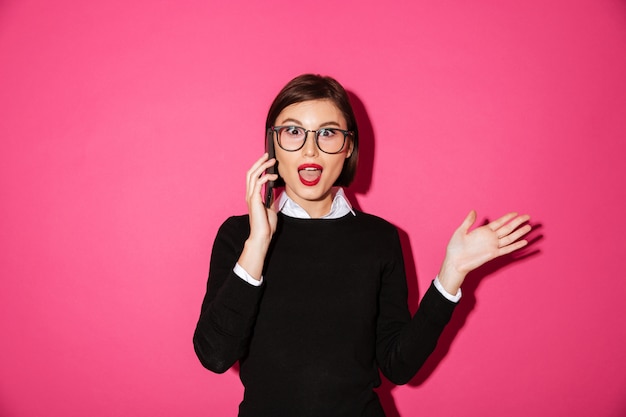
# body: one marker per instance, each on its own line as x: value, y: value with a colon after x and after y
x: 292, y: 138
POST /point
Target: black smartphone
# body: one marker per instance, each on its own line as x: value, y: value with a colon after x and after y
x: 269, y: 186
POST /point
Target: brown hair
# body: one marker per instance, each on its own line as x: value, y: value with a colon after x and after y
x: 316, y: 87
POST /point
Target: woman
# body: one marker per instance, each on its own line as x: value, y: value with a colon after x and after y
x: 311, y: 297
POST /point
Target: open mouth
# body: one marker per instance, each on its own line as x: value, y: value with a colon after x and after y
x: 310, y: 174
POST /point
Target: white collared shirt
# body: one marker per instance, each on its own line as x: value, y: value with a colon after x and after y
x: 339, y: 208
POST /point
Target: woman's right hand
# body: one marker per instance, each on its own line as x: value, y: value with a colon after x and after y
x: 262, y: 220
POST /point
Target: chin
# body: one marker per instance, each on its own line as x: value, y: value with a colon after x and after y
x: 314, y: 193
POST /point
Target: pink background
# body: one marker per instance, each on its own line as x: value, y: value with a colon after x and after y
x: 126, y: 129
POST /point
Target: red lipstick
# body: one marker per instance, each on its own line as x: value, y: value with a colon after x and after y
x: 310, y: 174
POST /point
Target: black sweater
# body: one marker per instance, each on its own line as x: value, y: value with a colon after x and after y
x: 332, y: 311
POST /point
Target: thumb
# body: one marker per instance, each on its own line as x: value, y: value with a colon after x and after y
x: 469, y: 221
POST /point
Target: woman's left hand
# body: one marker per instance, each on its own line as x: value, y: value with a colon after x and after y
x: 467, y: 250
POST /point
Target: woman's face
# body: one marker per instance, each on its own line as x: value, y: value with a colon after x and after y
x: 309, y: 173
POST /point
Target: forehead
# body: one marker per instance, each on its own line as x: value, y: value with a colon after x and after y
x: 312, y: 112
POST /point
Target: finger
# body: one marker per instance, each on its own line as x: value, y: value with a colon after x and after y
x: 259, y: 166
x: 258, y: 162
x: 512, y: 247
x: 498, y: 223
x: 258, y: 183
x: 252, y: 174
x: 258, y: 171
x: 507, y: 240
x: 512, y: 225
x: 469, y: 221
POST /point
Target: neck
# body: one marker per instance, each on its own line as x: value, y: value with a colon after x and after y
x: 315, y: 208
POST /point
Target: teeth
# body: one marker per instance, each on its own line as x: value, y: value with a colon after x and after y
x: 310, y: 169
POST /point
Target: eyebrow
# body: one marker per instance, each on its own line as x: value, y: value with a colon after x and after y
x: 299, y: 123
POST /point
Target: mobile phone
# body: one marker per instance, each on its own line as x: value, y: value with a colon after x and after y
x: 269, y: 186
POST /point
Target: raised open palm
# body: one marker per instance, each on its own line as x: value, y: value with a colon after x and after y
x: 469, y: 249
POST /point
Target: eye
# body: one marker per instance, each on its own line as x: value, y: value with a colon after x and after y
x: 293, y: 130
x: 326, y: 133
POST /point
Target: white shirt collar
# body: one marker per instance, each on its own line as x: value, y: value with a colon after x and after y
x: 339, y: 208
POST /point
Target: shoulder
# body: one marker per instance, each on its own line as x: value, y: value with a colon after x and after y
x: 235, y: 226
x: 375, y: 226
x: 377, y: 237
x: 371, y: 220
x: 237, y: 220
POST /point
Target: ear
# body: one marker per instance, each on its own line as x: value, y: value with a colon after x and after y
x: 350, y: 149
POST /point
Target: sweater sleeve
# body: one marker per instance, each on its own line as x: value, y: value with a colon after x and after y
x: 403, y: 343
x: 230, y: 305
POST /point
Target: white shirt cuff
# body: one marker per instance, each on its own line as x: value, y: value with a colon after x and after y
x: 243, y: 274
x: 453, y: 298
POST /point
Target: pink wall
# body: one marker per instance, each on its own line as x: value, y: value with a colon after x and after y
x: 126, y: 129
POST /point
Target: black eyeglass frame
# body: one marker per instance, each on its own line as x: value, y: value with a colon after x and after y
x: 346, y: 133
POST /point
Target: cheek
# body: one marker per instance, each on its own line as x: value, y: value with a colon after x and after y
x: 281, y: 172
x: 337, y: 165
x: 282, y: 163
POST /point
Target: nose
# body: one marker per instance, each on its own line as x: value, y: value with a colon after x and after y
x: 310, y: 147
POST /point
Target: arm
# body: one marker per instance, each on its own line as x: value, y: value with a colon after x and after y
x: 230, y: 305
x: 403, y: 343
x: 402, y: 349
x: 262, y: 220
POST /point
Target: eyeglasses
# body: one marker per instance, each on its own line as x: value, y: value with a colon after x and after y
x: 328, y: 140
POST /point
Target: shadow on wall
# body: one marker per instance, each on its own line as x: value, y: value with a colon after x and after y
x: 361, y: 185
x: 367, y: 145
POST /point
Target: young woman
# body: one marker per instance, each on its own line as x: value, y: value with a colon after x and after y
x: 311, y: 296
